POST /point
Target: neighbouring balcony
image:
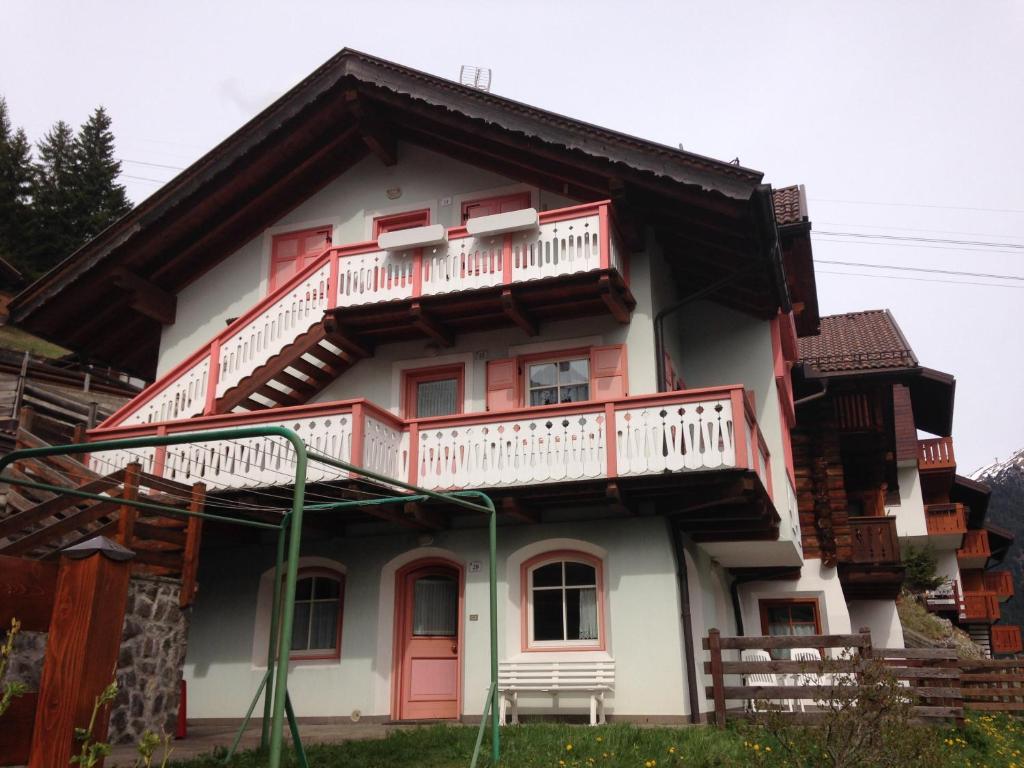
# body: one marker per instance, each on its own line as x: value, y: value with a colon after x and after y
x: 1000, y: 582
x: 944, y: 599
x: 875, y: 569
x: 975, y: 551
x: 664, y: 434
x: 980, y: 607
x: 556, y: 264
x: 936, y: 454
x: 946, y: 519
x: 1006, y: 639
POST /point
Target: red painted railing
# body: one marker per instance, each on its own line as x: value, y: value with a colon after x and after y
x: 980, y: 607
x: 1000, y: 582
x: 945, y: 519
x: 975, y: 545
x: 1006, y: 639
x: 936, y: 453
x: 361, y: 273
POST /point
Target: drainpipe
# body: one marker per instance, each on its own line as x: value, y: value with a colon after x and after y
x: 815, y: 396
x: 686, y: 617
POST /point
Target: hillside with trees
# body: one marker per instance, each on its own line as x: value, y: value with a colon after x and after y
x: 53, y: 199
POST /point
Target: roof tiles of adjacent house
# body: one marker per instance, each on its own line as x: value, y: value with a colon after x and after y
x: 790, y: 205
x: 857, y: 341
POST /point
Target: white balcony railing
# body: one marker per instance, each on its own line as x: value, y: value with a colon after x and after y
x: 688, y: 431
x: 565, y: 241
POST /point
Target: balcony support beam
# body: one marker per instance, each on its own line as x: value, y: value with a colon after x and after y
x: 514, y: 311
x: 147, y: 298
x: 612, y: 299
x: 336, y: 334
x: 618, y: 499
x: 429, y: 326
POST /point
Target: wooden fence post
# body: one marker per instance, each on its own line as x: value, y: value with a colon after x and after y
x: 717, y: 678
x: 193, y: 536
x: 128, y: 513
x: 82, y: 648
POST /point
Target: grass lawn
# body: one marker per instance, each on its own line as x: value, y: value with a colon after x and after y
x: 992, y: 742
x: 22, y: 341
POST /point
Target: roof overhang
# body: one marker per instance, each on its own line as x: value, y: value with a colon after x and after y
x: 110, y: 299
x: 974, y: 495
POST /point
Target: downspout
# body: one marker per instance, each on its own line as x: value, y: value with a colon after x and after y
x: 686, y: 617
x: 815, y: 396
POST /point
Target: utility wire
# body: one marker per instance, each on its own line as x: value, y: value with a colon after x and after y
x: 919, y: 269
x: 954, y: 248
x: 917, y: 279
x: 151, y: 165
x: 916, y: 205
x: 908, y: 238
x: 912, y: 229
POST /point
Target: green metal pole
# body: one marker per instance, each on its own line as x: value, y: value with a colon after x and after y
x: 248, y: 716
x: 284, y: 642
x: 275, y: 618
x: 493, y: 577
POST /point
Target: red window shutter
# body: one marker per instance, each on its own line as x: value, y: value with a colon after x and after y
x: 502, y: 377
x: 608, y: 372
x: 492, y: 205
x: 292, y: 252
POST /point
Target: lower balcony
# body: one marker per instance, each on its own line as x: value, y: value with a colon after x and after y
x: 980, y: 608
x: 975, y: 551
x: 875, y: 569
x: 698, y: 454
x: 947, y: 524
x: 1000, y: 582
x: 1006, y: 639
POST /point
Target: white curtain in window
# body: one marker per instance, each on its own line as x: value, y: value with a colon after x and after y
x: 435, y: 607
x: 588, y: 614
x: 437, y: 398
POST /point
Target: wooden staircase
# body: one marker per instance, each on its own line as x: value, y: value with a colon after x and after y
x: 296, y: 373
x: 38, y: 524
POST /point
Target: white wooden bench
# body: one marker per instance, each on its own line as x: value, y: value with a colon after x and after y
x: 595, y: 678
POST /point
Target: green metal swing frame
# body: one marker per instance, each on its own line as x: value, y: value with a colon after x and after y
x: 274, y: 686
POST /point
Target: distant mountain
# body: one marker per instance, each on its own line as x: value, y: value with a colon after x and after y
x: 1006, y: 509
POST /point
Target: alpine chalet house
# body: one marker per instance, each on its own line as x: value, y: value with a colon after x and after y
x: 868, y: 487
x: 466, y: 292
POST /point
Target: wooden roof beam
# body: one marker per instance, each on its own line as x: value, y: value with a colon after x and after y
x: 146, y: 297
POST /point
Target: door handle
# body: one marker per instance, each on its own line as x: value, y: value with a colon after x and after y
x: 455, y: 647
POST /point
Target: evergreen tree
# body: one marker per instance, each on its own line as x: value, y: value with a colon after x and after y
x: 15, y: 189
x: 101, y: 199
x: 56, y: 202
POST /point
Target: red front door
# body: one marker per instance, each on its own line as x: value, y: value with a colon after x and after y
x: 429, y: 642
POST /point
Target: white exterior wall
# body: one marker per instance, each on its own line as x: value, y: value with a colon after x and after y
x: 642, y: 605
x: 946, y: 564
x: 817, y: 581
x: 348, y: 204
x: 881, y: 618
x: 911, y: 522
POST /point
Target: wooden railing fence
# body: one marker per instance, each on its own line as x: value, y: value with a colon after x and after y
x: 941, y: 685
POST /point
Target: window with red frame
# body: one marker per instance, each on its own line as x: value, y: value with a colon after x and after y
x: 564, y: 601
x: 566, y: 376
x: 489, y: 206
x: 294, y: 251
x: 319, y: 601
x: 789, y: 618
x: 434, y: 391
x: 397, y: 221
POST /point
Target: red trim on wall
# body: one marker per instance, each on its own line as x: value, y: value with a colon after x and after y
x: 524, y: 600
x: 413, y: 376
x: 397, y: 221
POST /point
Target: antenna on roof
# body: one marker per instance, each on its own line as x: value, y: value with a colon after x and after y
x: 475, y: 77
x: 734, y: 161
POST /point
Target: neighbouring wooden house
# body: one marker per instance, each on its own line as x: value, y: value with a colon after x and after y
x: 466, y: 292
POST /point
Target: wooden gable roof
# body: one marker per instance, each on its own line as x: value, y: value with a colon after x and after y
x: 111, y: 297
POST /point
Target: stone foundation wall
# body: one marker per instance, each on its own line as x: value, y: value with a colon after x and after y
x: 26, y: 661
x: 150, y: 665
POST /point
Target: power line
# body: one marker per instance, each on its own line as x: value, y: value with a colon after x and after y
x: 143, y: 178
x: 919, y: 269
x: 912, y: 229
x: 828, y: 239
x: 909, y: 238
x: 917, y: 279
x: 916, y: 205
x: 152, y: 165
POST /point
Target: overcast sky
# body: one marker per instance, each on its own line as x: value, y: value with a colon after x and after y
x: 903, y: 119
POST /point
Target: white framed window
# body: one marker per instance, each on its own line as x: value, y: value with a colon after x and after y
x: 558, y: 381
x: 319, y: 599
x: 564, y: 606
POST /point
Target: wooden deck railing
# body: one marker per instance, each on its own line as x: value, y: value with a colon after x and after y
x: 975, y: 545
x: 1000, y: 582
x: 874, y: 540
x: 941, y: 684
x: 945, y: 519
x: 980, y: 607
x: 565, y: 241
x: 690, y: 430
x: 936, y: 453
x: 1006, y: 638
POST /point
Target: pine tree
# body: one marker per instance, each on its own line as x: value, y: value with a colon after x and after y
x: 15, y: 189
x: 56, y: 203
x: 101, y: 199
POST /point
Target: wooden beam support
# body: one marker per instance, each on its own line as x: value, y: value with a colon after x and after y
x: 146, y: 297
x: 515, y: 508
x: 336, y: 334
x: 617, y: 498
x: 515, y: 312
x: 427, y: 517
x: 193, y: 537
x: 429, y: 326
x: 612, y: 298
x: 379, y: 139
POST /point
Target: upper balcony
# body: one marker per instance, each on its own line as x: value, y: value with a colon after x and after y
x: 975, y: 551
x: 1000, y: 582
x: 980, y: 607
x: 947, y: 524
x: 515, y: 269
x: 936, y: 455
x: 645, y: 448
x: 875, y: 569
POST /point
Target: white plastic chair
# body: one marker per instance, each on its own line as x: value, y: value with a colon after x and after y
x: 811, y: 657
x: 762, y: 678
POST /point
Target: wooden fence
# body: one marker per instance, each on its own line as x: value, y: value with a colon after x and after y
x: 941, y: 685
